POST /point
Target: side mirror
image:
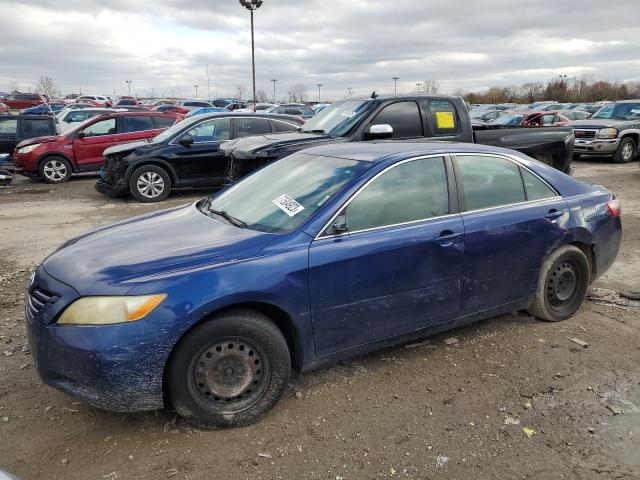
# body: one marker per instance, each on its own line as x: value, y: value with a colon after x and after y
x: 81, y: 134
x: 379, y: 131
x: 340, y: 225
x: 186, y: 140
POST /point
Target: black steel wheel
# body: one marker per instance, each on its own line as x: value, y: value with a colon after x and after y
x: 228, y: 371
x: 563, y: 284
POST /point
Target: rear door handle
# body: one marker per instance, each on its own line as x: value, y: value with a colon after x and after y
x: 554, y: 214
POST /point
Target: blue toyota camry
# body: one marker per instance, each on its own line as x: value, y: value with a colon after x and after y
x: 328, y: 253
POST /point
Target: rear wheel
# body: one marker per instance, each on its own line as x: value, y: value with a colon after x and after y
x: 626, y: 151
x: 55, y: 169
x: 229, y: 371
x: 562, y: 285
x: 150, y: 183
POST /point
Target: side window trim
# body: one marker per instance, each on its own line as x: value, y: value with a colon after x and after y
x: 460, y: 186
x: 451, y: 187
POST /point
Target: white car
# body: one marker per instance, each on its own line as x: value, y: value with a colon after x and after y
x: 259, y: 107
x: 68, y: 118
x: 97, y: 100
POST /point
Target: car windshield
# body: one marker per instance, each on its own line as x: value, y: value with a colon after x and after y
x: 282, y: 196
x: 337, y: 119
x: 477, y: 113
x: 619, y: 111
x: 508, y: 120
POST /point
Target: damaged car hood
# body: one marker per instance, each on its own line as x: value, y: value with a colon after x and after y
x: 261, y: 145
x: 121, y: 254
x: 126, y: 147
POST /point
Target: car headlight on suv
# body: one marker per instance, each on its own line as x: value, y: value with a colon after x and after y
x: 607, y: 133
x: 110, y: 310
x: 29, y: 148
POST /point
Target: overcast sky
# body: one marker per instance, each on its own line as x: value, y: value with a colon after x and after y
x: 165, y: 45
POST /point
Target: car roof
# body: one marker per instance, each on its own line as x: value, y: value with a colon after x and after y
x: 376, y: 151
x: 258, y: 114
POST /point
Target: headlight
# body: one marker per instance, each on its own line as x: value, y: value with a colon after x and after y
x: 109, y: 310
x: 607, y: 133
x: 29, y: 148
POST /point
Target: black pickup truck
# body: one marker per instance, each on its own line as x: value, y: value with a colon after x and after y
x: 16, y: 128
x: 410, y: 118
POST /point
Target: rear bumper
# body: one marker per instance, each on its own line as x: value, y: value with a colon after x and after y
x: 596, y: 147
x: 606, y: 250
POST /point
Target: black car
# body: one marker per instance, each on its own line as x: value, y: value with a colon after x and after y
x: 14, y: 129
x: 185, y: 155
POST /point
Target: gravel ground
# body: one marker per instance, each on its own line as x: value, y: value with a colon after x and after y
x: 513, y: 398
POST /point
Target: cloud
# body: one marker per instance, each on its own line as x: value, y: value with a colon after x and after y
x: 165, y: 46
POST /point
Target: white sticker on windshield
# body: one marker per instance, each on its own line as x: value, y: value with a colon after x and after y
x: 635, y: 110
x: 288, y: 205
x: 348, y: 113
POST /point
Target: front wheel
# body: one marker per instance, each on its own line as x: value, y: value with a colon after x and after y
x: 562, y: 285
x: 626, y: 151
x: 55, y: 170
x: 150, y: 183
x: 228, y: 371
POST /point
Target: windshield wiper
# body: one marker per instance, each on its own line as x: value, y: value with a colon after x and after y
x: 231, y: 219
x: 313, y: 131
x: 206, y: 208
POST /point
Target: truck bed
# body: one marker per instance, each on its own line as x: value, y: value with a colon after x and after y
x: 550, y: 145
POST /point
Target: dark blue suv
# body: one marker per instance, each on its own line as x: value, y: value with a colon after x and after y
x: 328, y: 253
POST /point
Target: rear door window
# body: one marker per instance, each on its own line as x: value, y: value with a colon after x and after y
x: 412, y: 191
x: 8, y: 126
x: 443, y: 117
x: 245, y: 127
x: 38, y: 128
x: 535, y: 188
x: 137, y: 124
x: 404, y: 118
x: 489, y: 181
x: 164, y: 122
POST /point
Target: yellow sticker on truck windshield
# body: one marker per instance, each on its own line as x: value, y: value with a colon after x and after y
x: 445, y: 120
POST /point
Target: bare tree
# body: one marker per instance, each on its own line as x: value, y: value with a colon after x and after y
x: 241, y: 90
x: 297, y: 92
x: 14, y: 86
x: 261, y: 96
x: 430, y: 86
x: 47, y: 86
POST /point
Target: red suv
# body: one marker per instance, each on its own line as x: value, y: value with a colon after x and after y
x: 54, y: 159
x: 20, y: 101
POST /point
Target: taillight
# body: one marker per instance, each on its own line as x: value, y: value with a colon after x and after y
x: 614, y: 207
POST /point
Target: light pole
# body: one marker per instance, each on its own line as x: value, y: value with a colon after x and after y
x: 196, y: 88
x: 418, y: 85
x: 274, y: 80
x: 252, y: 5
x: 128, y: 82
x: 319, y: 86
x: 395, y: 84
x: 349, y: 91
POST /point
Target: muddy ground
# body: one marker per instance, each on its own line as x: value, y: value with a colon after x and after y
x: 459, y: 411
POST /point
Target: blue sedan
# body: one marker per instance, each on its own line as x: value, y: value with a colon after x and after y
x: 44, y: 109
x: 328, y: 253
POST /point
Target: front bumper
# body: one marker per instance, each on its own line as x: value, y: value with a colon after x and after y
x: 113, y: 367
x: 115, y: 189
x: 596, y: 146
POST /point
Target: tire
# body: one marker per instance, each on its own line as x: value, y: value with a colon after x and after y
x: 150, y: 183
x: 576, y: 156
x: 55, y: 169
x: 626, y: 151
x: 228, y: 371
x: 562, y: 285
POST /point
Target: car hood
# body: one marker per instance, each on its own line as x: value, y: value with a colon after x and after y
x: 115, y: 258
x: 596, y: 123
x: 259, y: 145
x: 126, y: 147
x: 33, y: 141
